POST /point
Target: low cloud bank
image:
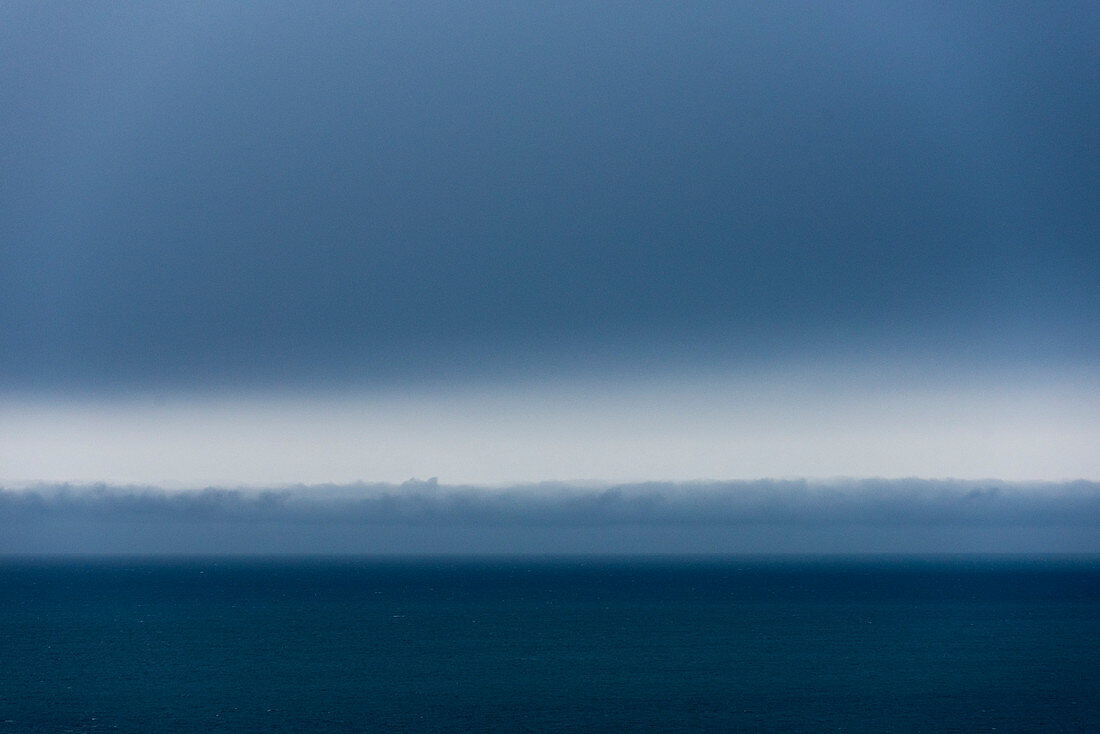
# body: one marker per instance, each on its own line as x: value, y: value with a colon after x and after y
x: 871, y: 501
x: 869, y: 515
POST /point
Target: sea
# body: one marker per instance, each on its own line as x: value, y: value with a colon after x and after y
x: 536, y: 644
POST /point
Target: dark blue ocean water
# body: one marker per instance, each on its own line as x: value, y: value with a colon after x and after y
x: 343, y: 645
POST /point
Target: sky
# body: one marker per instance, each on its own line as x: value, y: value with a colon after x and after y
x: 279, y: 243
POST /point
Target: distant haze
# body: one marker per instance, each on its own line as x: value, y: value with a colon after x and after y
x: 840, y: 516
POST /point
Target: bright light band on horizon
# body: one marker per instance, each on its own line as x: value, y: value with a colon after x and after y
x: 716, y: 428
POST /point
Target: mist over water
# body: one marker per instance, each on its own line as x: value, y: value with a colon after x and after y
x: 769, y: 516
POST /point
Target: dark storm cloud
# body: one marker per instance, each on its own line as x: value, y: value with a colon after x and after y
x: 282, y: 191
x: 760, y: 516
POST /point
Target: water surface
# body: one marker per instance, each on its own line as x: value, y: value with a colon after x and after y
x: 573, y: 644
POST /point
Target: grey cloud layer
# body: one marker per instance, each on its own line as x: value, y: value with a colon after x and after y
x: 762, y: 516
x: 371, y: 193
